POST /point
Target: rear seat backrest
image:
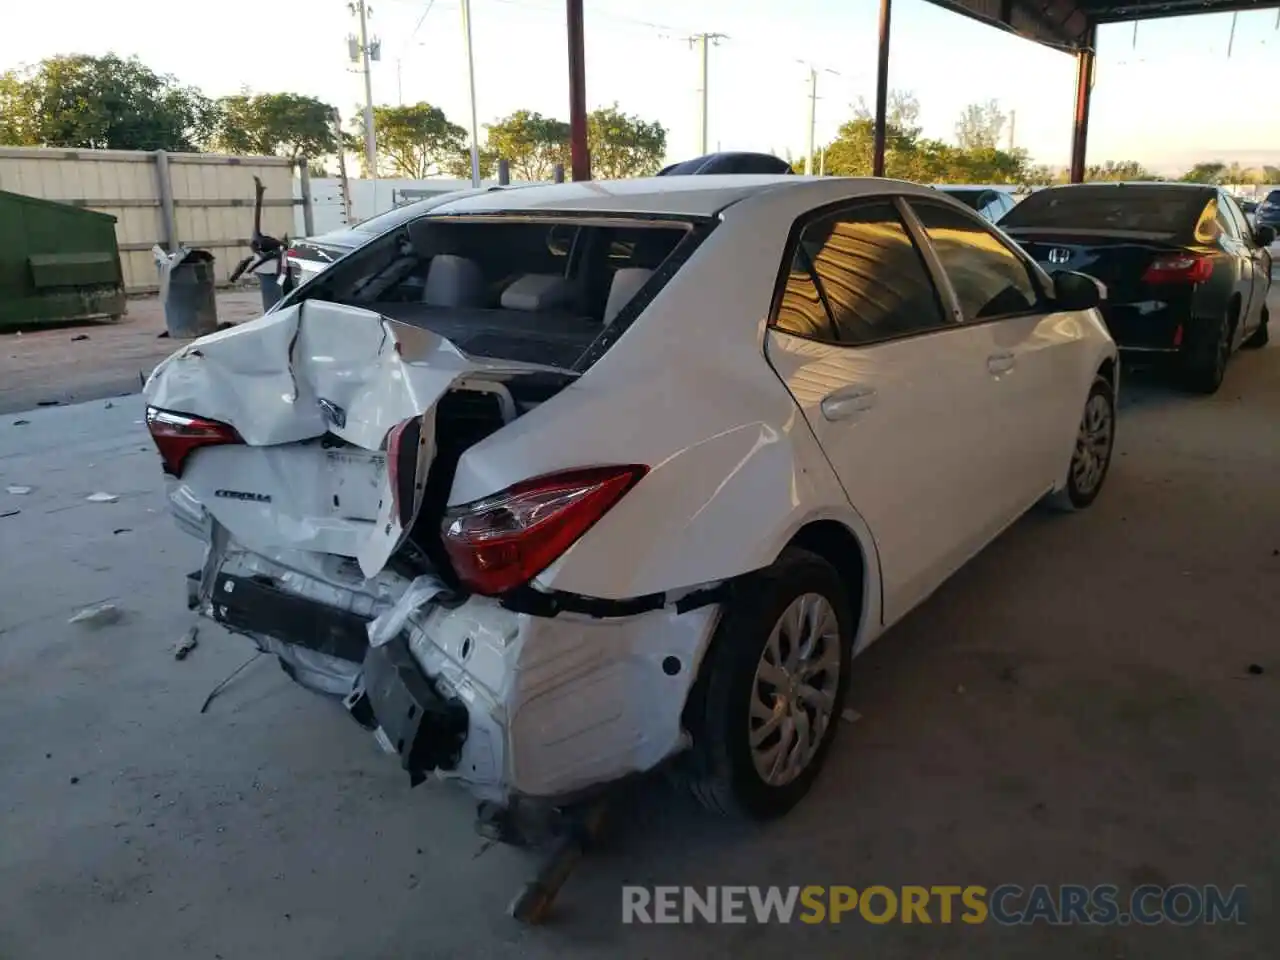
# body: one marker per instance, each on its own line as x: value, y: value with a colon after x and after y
x: 626, y: 283
x: 453, y: 282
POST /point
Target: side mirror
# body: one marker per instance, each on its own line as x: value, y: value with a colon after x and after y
x: 1264, y: 236
x: 1077, y: 291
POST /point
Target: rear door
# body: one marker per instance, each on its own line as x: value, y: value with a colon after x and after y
x: 1034, y: 355
x: 895, y: 390
x: 1255, y: 263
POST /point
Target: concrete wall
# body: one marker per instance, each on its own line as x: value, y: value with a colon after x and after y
x: 209, y: 203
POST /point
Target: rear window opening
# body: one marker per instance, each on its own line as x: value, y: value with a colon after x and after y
x: 1163, y: 210
x: 541, y: 290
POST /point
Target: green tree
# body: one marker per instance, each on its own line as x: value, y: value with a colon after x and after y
x: 980, y: 125
x: 15, y: 129
x: 531, y: 143
x: 459, y: 165
x: 902, y: 112
x: 416, y: 140
x: 624, y: 146
x: 275, y: 124
x: 1117, y: 170
x: 104, y: 103
x: 1209, y: 172
x: 1271, y: 174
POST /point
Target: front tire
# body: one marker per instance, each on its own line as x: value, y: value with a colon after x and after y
x: 1095, y: 442
x: 775, y: 677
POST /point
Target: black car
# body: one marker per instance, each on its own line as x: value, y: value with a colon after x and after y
x: 1267, y: 213
x: 1186, y: 276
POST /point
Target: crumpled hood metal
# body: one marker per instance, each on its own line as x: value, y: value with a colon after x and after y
x: 267, y: 377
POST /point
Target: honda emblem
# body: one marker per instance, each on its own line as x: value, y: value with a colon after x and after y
x: 1059, y: 255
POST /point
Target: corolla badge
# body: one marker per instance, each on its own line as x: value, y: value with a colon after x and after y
x: 333, y: 413
x: 1059, y: 255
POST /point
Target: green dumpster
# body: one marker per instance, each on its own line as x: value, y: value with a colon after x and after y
x: 57, y: 263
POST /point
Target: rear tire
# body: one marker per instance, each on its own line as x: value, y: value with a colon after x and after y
x: 1259, y: 337
x: 1207, y: 365
x: 785, y: 638
x: 1091, y: 459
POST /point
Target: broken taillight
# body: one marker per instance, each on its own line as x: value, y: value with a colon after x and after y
x: 177, y: 434
x: 504, y: 541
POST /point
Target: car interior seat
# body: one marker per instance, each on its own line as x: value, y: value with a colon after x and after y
x: 453, y: 281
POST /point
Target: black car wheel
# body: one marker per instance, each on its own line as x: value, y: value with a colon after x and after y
x: 772, y: 686
x: 1259, y: 337
x: 1206, y: 364
x: 1091, y: 459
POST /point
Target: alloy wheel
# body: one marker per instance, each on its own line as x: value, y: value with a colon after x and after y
x: 793, y: 695
x: 1093, y: 445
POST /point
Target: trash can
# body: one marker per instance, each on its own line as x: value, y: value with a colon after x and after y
x: 187, y: 292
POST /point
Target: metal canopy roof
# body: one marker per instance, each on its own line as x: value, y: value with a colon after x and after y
x: 1067, y: 24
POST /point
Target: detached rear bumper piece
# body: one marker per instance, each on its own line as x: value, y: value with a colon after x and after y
x: 424, y: 728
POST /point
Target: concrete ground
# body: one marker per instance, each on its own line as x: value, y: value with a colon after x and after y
x: 72, y: 363
x: 1074, y: 706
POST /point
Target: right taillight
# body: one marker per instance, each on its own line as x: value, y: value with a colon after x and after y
x: 176, y: 435
x: 504, y: 541
x: 1179, y: 268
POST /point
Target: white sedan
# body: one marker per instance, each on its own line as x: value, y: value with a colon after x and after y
x: 555, y: 485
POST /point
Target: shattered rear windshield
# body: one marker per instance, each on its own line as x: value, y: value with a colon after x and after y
x: 1140, y: 209
x: 537, y: 290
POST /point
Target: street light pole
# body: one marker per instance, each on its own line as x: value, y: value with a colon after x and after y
x: 471, y: 87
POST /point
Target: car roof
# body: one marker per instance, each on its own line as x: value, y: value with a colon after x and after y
x: 1002, y: 187
x: 677, y: 196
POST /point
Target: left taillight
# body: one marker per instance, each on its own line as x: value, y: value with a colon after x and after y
x: 504, y: 541
x: 177, y: 434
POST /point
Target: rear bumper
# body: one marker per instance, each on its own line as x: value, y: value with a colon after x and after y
x: 511, y: 704
x: 1149, y: 326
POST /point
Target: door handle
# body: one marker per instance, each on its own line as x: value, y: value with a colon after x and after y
x: 848, y: 402
x: 1000, y: 362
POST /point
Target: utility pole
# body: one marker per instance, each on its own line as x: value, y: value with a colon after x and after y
x: 703, y: 42
x: 1013, y: 124
x: 813, y: 114
x: 365, y: 53
x: 1231, y: 40
x: 471, y: 88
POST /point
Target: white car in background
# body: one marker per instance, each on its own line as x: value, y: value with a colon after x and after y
x: 556, y: 484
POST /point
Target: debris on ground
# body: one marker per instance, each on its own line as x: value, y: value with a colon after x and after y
x: 1254, y: 669
x: 23, y: 423
x: 231, y: 676
x: 162, y: 335
x: 9, y: 513
x: 101, y: 497
x: 850, y: 715
x: 75, y: 779
x: 186, y: 644
x: 99, y: 615
x: 119, y: 530
x: 80, y: 336
x: 48, y: 403
x: 18, y: 490
x: 109, y: 405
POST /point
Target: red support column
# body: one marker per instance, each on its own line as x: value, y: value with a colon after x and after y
x: 882, y: 93
x: 581, y: 158
x: 1084, y: 92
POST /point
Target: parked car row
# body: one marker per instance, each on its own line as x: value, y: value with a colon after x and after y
x: 555, y: 485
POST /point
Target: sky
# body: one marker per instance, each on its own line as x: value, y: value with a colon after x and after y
x: 1167, y: 97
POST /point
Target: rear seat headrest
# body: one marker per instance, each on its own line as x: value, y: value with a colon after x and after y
x: 453, y: 281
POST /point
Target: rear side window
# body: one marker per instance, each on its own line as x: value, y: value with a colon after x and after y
x: 988, y: 278
x: 856, y: 277
x: 1273, y: 197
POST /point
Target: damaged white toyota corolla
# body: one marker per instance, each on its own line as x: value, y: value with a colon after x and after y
x: 554, y: 485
